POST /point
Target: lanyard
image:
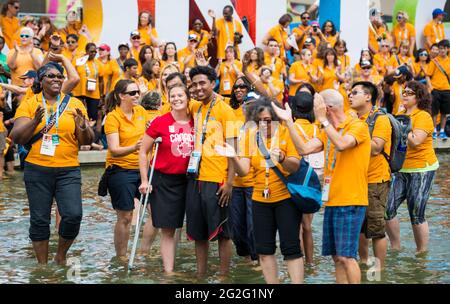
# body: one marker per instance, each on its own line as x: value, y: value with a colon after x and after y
x: 205, y: 121
x: 226, y: 30
x: 405, y: 35
x: 267, y: 172
x: 88, y: 71
x: 327, y: 153
x: 437, y: 32
x: 47, y: 117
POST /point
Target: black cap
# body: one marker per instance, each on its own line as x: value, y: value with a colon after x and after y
x: 303, y: 102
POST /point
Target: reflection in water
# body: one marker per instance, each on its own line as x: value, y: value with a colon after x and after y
x: 93, y: 252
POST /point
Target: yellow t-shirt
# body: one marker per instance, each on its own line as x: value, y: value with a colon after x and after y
x: 344, y: 62
x: 277, y: 64
x: 299, y: 31
x: 72, y: 55
x: 130, y: 131
x: 436, y: 32
x: 228, y: 76
x: 92, y: 69
x: 438, y: 79
x: 10, y: 27
x: 24, y: 62
x: 381, y: 62
x: 66, y: 153
x: 422, y: 155
x: 300, y: 70
x: 117, y: 73
x: 349, y: 179
x: 373, y: 43
x: 279, y: 34
x: 107, y: 72
x: 183, y: 54
x: 329, y: 78
x: 145, y: 37
x: 225, y: 36
x: 394, y: 62
x: 417, y: 69
x: 403, y: 34
x: 278, y: 84
x: 379, y: 171
x: 277, y: 188
x: 220, y: 126
x: 204, y: 35
x: 397, y: 89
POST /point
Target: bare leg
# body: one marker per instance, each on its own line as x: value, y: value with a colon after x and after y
x: 352, y: 270
x: 225, y: 252
x: 307, y: 237
x: 341, y: 275
x: 122, y: 232
x: 269, y: 268
x: 421, y: 235
x: 296, y: 270
x: 380, y: 250
x: 393, y: 231
x: 10, y: 168
x: 2, y: 164
x: 63, y: 247
x: 168, y: 249
x: 136, y: 206
x: 443, y: 121
x: 148, y: 236
x: 41, y: 251
x: 201, y: 252
x: 57, y: 218
x: 363, y: 249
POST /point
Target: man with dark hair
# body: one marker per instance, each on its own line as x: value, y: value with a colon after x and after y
x: 434, y: 31
x: 439, y: 78
x: 303, y: 30
x: 175, y: 79
x: 363, y: 98
x: 272, y: 59
x: 211, y: 176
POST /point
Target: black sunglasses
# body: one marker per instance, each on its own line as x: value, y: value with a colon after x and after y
x: 133, y: 93
x: 241, y: 86
x: 136, y: 38
x: 71, y: 42
x: 53, y: 76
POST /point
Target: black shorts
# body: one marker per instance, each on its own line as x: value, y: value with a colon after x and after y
x: 441, y: 102
x: 168, y: 199
x: 205, y: 219
x: 123, y: 186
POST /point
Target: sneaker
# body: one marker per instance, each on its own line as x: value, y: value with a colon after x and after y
x: 434, y: 135
x: 443, y: 136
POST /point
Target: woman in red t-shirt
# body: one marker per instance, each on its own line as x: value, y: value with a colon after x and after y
x: 168, y: 186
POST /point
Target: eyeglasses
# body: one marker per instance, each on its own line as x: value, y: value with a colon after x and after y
x: 423, y: 54
x: 71, y: 42
x: 136, y: 38
x: 366, y: 68
x: 408, y: 93
x: 93, y: 52
x: 133, y: 93
x: 356, y: 92
x: 399, y: 17
x: 25, y: 36
x: 53, y: 76
x: 306, y: 18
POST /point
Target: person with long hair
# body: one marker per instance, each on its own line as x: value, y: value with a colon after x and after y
x: 420, y: 65
x: 255, y: 60
x: 124, y: 128
x: 228, y: 71
x: 170, y: 56
x: 24, y: 57
x: 145, y: 55
x: 402, y: 57
x: 165, y: 72
x: 9, y: 23
x: 168, y: 187
x: 151, y: 71
x: 147, y: 29
x: 330, y: 73
x: 365, y: 55
x: 344, y: 60
x: 329, y: 33
x: 52, y: 170
x: 302, y: 71
x: 46, y: 30
x: 415, y: 180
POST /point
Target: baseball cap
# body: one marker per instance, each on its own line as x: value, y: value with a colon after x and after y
x: 310, y: 40
x: 192, y: 37
x: 315, y: 23
x: 365, y: 63
x: 124, y: 44
x: 134, y: 34
x: 374, y: 12
x: 29, y: 74
x: 105, y: 47
x: 400, y: 71
x: 438, y: 11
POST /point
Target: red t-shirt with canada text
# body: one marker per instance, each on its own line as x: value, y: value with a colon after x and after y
x: 176, y: 146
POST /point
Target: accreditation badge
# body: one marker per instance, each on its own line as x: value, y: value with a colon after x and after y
x: 55, y: 139
x: 47, y: 146
x: 326, y: 188
x: 226, y: 85
x: 194, y: 162
x: 91, y: 84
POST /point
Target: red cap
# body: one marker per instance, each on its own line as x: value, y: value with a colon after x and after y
x: 105, y: 47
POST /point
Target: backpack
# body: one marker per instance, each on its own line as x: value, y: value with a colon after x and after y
x: 401, y: 126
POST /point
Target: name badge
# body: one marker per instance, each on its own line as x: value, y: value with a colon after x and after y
x: 55, y: 139
x: 194, y: 162
x: 47, y: 146
x: 226, y: 85
x: 326, y: 188
x: 91, y: 84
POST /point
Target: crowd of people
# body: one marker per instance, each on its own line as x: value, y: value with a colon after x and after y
x: 225, y: 125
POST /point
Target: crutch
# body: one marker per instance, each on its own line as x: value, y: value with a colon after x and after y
x: 141, y: 219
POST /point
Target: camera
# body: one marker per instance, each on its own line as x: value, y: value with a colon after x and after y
x: 315, y: 28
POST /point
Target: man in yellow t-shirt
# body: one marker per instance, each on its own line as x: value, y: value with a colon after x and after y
x: 434, y: 31
x: 271, y: 59
x: 187, y: 55
x: 224, y: 28
x: 439, y: 77
x: 363, y: 99
x: 210, y: 185
x: 346, y: 142
x: 303, y: 30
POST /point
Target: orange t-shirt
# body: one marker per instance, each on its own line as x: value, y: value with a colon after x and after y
x: 10, y: 27
x: 228, y: 76
x: 438, y: 79
x: 225, y: 36
x: 92, y: 69
x: 436, y: 32
x: 403, y: 34
x: 300, y: 72
x: 279, y: 34
x: 145, y: 37
x: 24, y: 62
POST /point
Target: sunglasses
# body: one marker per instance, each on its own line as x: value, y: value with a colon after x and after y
x: 386, y: 46
x: 53, y: 76
x: 71, y: 42
x: 400, y: 17
x: 240, y: 86
x: 355, y: 92
x: 423, y: 54
x: 16, y: 7
x: 133, y: 93
x: 408, y: 93
x: 268, y: 121
x: 25, y: 36
x: 306, y: 18
x: 136, y: 38
x: 366, y: 68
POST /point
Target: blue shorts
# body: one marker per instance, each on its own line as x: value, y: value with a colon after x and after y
x: 123, y: 186
x: 341, y: 229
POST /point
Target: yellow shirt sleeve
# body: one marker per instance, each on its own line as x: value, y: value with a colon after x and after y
x: 111, y: 124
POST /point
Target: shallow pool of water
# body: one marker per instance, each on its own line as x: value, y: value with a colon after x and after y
x: 92, y: 255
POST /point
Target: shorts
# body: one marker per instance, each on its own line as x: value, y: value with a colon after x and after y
x: 2, y: 141
x: 282, y: 216
x: 341, y: 229
x: 123, y: 186
x: 374, y: 224
x: 205, y: 219
x: 441, y: 102
x: 168, y: 200
x: 415, y: 188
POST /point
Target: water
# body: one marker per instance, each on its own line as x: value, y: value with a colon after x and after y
x: 92, y: 255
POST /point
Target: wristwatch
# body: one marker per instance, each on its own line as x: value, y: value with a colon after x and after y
x: 325, y: 123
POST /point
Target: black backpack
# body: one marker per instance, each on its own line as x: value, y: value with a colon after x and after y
x: 401, y: 126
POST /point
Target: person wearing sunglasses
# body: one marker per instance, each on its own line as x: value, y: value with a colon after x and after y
x: 136, y: 46
x: 302, y: 31
x: 52, y: 170
x: 147, y: 30
x: 365, y: 55
x: 415, y: 180
x: 404, y: 30
x: 367, y: 74
x: 124, y: 128
x: 420, y: 65
x: 187, y: 55
x: 9, y: 23
x: 24, y: 57
x: 204, y: 36
x: 434, y: 31
x: 382, y: 58
x: 71, y: 50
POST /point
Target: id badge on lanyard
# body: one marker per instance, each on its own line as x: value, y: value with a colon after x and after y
x: 91, y: 84
x: 47, y: 146
x: 194, y: 162
x: 50, y: 141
